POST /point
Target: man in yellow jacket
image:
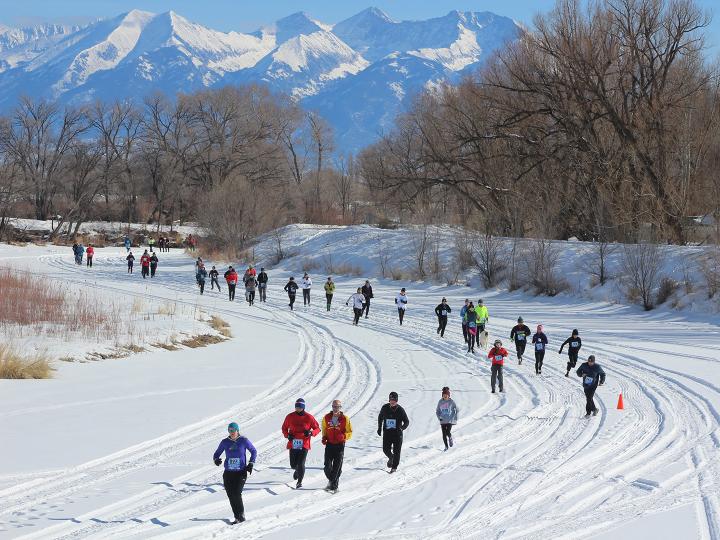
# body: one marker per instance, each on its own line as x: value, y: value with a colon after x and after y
x: 336, y: 430
x: 482, y: 318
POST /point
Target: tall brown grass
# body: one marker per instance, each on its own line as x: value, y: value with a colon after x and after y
x: 15, y: 366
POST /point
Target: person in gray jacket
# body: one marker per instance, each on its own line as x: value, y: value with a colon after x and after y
x: 447, y: 413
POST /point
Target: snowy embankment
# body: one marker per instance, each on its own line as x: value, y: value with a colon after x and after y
x: 132, y: 439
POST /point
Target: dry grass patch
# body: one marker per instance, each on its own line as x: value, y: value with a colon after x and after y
x: 220, y: 326
x: 15, y: 366
x: 166, y: 346
x: 202, y: 340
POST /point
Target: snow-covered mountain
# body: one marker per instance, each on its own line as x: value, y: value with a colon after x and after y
x: 359, y: 73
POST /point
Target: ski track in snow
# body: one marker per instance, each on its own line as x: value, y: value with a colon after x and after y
x: 536, y: 463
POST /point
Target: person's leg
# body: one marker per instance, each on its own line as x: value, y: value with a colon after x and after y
x: 328, y: 299
x: 465, y: 332
x: 292, y: 300
x: 300, y: 468
x: 443, y: 325
x: 366, y: 307
x: 537, y: 362
x: 542, y: 357
x: 401, y: 314
x: 387, y: 448
x: 336, y: 470
x: 328, y: 463
x: 500, y: 377
x: 493, y: 376
x: 397, y: 447
x: 202, y: 287
x: 358, y: 313
x: 589, y: 402
x: 443, y: 428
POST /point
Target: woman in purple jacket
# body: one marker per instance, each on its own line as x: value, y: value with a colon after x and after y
x: 237, y: 468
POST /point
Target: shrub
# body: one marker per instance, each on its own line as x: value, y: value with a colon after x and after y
x: 542, y: 273
x: 710, y: 267
x: 489, y: 258
x: 666, y: 290
x: 641, y: 269
x: 14, y: 366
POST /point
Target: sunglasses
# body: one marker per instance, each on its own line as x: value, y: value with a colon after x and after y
x: 336, y: 407
x: 392, y: 400
x: 232, y: 430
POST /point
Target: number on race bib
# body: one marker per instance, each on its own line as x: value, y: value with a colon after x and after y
x: 297, y: 444
x: 233, y: 464
x: 443, y: 313
x: 520, y: 337
x: 498, y: 357
x: 587, y: 381
x: 539, y: 346
x: 445, y: 407
x: 574, y: 344
x: 390, y: 423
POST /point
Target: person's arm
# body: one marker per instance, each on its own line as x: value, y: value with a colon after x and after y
x: 404, y: 420
x: 286, y: 428
x: 457, y: 410
x: 437, y: 311
x: 324, y: 430
x: 437, y: 411
x: 348, y: 429
x: 579, y: 343
x: 253, y: 451
x: 563, y: 345
x: 219, y: 451
x: 448, y: 309
x: 396, y: 300
x: 381, y: 416
x: 314, y: 426
x: 512, y: 333
x: 602, y: 375
x: 581, y: 371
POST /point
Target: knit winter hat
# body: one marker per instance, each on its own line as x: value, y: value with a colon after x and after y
x: 445, y: 390
x: 575, y: 332
x: 300, y: 404
x: 232, y: 426
x: 520, y: 320
x: 539, y: 328
x: 393, y: 396
x: 402, y: 290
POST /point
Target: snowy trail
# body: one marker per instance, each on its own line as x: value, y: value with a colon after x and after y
x: 526, y: 463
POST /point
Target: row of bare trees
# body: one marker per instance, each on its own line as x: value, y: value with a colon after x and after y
x: 240, y: 160
x: 601, y: 123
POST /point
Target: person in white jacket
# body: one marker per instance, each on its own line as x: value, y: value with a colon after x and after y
x: 358, y: 301
x: 306, y: 283
x: 401, y: 301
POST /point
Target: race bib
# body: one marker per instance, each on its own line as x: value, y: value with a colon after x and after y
x: 539, y: 346
x: 498, y: 357
x: 445, y: 407
x: 574, y: 344
x: 233, y: 464
x: 297, y: 444
x: 520, y: 337
x: 443, y: 313
x: 587, y: 381
x: 232, y: 282
x: 390, y: 423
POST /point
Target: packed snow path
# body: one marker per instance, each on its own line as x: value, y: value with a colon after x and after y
x: 526, y: 464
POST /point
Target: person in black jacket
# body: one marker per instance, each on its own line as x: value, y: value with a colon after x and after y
x: 214, y: 279
x: 262, y: 280
x: 368, y: 294
x: 592, y: 377
x: 392, y: 421
x: 574, y: 343
x: 153, y: 265
x: 291, y: 289
x: 442, y: 311
x: 519, y: 335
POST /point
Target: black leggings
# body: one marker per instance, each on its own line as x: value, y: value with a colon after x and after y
x: 234, y: 482
x: 333, y: 462
x: 446, y: 428
x: 442, y: 324
x: 328, y: 297
x: 520, y: 348
x: 306, y: 297
x: 401, y: 314
x: 358, y: 312
x: 231, y: 291
x: 465, y: 332
x: 292, y: 300
x: 392, y: 445
x: 250, y: 297
x: 297, y: 462
x: 539, y: 357
x: 572, y: 360
x: 89, y: 261
x: 366, y: 307
x: 589, y: 394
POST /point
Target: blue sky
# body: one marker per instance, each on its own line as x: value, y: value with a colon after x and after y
x: 243, y: 15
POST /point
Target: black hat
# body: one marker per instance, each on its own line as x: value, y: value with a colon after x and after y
x: 393, y: 396
x: 575, y: 332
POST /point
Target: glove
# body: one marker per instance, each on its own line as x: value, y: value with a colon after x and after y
x: 290, y: 437
x: 347, y: 304
x: 249, y: 468
x: 308, y: 432
x: 218, y: 461
x: 324, y: 440
x: 379, y: 432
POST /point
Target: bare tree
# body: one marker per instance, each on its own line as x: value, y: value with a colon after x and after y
x: 597, y: 263
x: 490, y: 259
x: 641, y: 271
x: 420, y: 241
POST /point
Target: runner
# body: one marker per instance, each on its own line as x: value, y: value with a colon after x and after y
x: 329, y: 291
x: 519, y: 334
x: 463, y: 318
x: 306, y: 285
x: 145, y: 264
x: 401, y: 302
x: 250, y: 284
x: 291, y: 289
x: 481, y: 338
x: 592, y: 377
x: 336, y: 431
x: 231, y: 277
x: 90, y: 252
x: 298, y: 428
x: 540, y: 342
x: 357, y: 299
x: 200, y: 277
x: 471, y: 323
x: 368, y: 294
x: 498, y: 355
x: 441, y: 311
x: 154, y: 264
x: 447, y: 414
x: 392, y: 421
x: 237, y: 468
x: 130, y: 261
x: 262, y: 280
x: 574, y: 344
x: 214, y: 279
x: 127, y: 244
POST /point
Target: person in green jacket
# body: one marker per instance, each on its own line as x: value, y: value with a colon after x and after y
x: 329, y: 291
x: 482, y: 318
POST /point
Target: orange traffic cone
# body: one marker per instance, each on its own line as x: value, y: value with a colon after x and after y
x: 620, y: 404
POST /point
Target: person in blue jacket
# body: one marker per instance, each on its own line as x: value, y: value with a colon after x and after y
x: 237, y: 467
x: 540, y: 342
x: 592, y: 377
x: 463, y: 311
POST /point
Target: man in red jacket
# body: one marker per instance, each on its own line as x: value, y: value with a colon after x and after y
x: 498, y: 355
x: 231, y: 276
x: 90, y: 251
x: 336, y: 431
x: 298, y: 428
x: 145, y: 264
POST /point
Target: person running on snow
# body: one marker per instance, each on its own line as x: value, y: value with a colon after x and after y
x: 442, y: 311
x: 153, y: 264
x: 401, y: 301
x: 574, y: 343
x: 130, y: 261
x: 80, y: 253
x: 463, y: 318
x: 306, y: 285
x: 519, y: 335
x: 145, y: 264
x: 358, y: 300
x: 329, y: 291
x: 447, y: 414
x: 250, y: 284
x: 291, y: 288
x: 237, y: 468
x: 368, y: 294
x: 262, y: 280
x: 482, y: 319
x: 151, y: 244
x: 214, y: 279
x: 498, y: 355
x: 540, y: 342
x: 471, y: 323
x: 200, y: 277
x: 161, y: 244
x: 90, y: 254
x: 592, y: 377
x: 75, y: 252
x: 298, y: 428
x: 198, y: 262
x: 249, y: 273
x: 336, y: 431
x: 392, y: 421
x: 231, y: 277
x: 127, y: 244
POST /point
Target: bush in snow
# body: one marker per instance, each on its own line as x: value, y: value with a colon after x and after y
x: 710, y: 267
x: 542, y: 268
x: 518, y: 251
x: 15, y: 366
x: 597, y: 262
x: 641, y: 272
x: 489, y: 256
x: 667, y: 288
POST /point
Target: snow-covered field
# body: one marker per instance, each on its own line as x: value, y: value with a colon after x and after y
x: 123, y: 448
